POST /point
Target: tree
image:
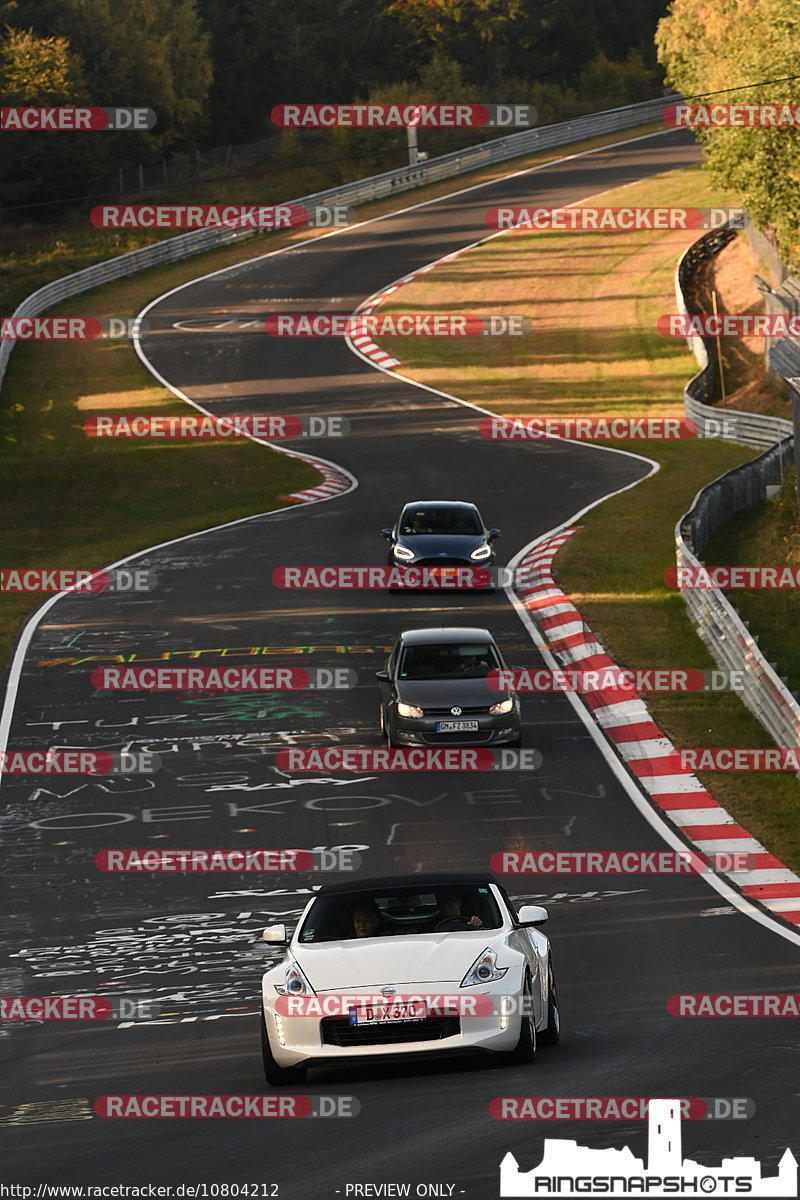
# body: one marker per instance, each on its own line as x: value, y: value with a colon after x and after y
x: 717, y: 45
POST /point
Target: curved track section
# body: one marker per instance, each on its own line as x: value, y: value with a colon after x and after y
x: 190, y: 943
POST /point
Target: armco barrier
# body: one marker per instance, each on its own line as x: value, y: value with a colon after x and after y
x: 752, y: 429
x: 717, y: 622
x: 360, y: 191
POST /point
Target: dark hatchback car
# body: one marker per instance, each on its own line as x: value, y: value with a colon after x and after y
x: 440, y: 533
x: 434, y: 691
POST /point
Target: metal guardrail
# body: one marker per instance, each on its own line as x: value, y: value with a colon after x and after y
x: 752, y: 429
x: 717, y: 621
x: 360, y: 191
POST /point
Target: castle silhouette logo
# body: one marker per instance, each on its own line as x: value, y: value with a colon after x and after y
x: 568, y: 1169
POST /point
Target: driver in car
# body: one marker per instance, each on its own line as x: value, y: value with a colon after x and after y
x: 450, y: 913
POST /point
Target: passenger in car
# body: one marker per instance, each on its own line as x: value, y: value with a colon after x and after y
x: 366, y: 920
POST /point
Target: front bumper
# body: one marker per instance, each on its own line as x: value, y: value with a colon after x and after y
x: 421, y: 731
x: 307, y: 1040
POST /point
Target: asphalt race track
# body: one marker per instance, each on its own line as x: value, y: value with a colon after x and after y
x: 190, y: 944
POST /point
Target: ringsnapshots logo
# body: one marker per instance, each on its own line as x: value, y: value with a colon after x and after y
x: 115, y: 580
x: 593, y: 220
x: 68, y: 329
x: 72, y: 119
x: 398, y: 116
x: 223, y: 679
x: 414, y: 325
x: 61, y: 761
x: 193, y: 425
x: 200, y: 862
x: 568, y: 1169
x: 619, y: 862
x: 363, y: 758
x: 732, y: 116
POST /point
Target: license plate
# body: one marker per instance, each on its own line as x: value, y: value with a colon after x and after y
x: 456, y: 726
x: 385, y: 1014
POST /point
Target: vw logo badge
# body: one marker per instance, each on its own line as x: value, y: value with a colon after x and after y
x: 455, y: 710
x: 388, y: 991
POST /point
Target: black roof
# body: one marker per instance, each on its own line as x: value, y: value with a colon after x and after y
x: 422, y: 880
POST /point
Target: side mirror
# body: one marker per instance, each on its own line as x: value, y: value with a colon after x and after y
x: 532, y: 914
x: 494, y: 533
x: 383, y: 676
x: 275, y: 934
x: 387, y: 533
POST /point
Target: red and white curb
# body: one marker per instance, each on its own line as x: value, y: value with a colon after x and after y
x: 363, y: 342
x: 336, y: 484
x: 643, y: 747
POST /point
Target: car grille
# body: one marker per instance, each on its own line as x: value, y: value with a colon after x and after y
x: 448, y: 562
x: 456, y: 739
x: 337, y: 1031
x: 465, y: 712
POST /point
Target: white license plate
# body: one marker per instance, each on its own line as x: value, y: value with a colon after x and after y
x: 385, y: 1014
x: 456, y: 726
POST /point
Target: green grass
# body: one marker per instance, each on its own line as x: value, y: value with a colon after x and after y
x: 593, y: 300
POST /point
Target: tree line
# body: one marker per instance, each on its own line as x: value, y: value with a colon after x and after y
x: 213, y: 69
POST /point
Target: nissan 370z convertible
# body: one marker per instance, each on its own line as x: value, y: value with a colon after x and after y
x: 415, y: 965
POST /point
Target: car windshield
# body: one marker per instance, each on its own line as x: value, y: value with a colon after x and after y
x: 441, y: 520
x: 407, y: 910
x: 449, y: 660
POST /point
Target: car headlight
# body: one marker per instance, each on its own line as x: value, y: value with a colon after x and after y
x: 295, y: 983
x: 403, y: 553
x: 505, y: 706
x: 483, y: 970
x: 482, y: 552
x: 408, y: 710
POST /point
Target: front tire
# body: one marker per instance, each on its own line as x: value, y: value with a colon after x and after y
x: 525, y: 1049
x: 552, y: 1034
x: 275, y: 1075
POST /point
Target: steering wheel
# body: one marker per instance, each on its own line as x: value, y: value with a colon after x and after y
x: 451, y: 923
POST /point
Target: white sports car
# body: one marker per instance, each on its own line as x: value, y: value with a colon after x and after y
x: 418, y: 964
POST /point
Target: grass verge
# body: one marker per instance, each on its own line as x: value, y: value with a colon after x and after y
x: 593, y: 299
